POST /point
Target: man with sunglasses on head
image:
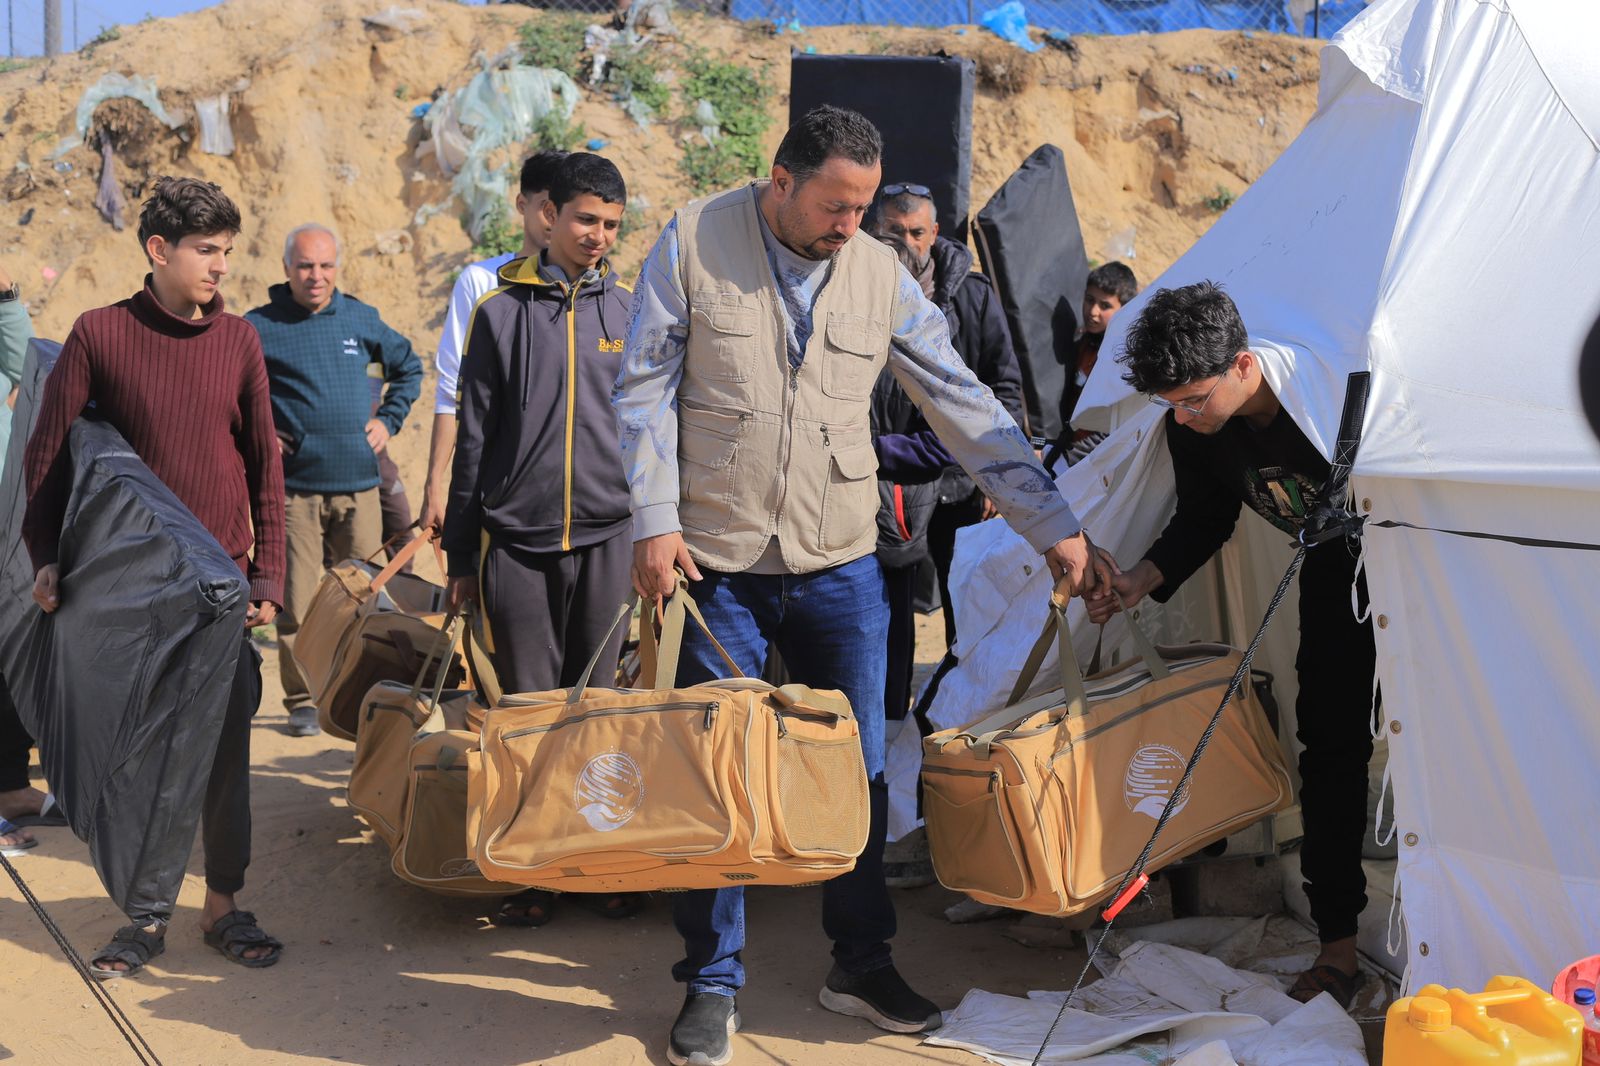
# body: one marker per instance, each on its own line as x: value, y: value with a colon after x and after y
x: 1232, y: 444
x: 978, y: 333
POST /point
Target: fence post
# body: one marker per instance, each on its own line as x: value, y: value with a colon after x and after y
x: 1316, y: 18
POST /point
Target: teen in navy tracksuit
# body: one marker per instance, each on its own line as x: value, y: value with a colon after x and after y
x: 537, y: 486
x: 538, y: 525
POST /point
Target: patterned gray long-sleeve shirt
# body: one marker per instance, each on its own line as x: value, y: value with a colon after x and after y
x: 969, y: 421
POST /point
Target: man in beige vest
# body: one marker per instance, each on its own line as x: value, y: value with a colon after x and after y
x: 760, y: 323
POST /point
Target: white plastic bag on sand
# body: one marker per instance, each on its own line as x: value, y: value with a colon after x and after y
x: 216, y: 132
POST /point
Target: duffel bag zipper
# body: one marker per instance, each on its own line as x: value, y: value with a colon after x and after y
x: 780, y: 713
x: 709, y: 708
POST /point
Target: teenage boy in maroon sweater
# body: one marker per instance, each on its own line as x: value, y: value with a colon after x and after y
x: 186, y: 385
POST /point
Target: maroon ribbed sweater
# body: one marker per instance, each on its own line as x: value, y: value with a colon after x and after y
x: 190, y: 396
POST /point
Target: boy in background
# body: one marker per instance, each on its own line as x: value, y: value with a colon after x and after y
x: 538, y: 526
x: 1110, y: 287
x: 476, y: 282
x: 186, y: 385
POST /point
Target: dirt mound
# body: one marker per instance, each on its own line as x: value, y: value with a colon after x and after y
x: 1161, y: 133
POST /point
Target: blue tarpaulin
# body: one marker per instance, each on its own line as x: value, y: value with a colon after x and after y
x: 1068, y: 16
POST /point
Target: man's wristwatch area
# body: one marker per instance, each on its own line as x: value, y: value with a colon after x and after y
x: 13, y: 293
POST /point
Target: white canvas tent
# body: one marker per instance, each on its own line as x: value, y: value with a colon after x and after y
x: 1437, y: 222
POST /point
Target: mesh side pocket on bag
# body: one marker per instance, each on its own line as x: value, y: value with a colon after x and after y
x: 822, y: 796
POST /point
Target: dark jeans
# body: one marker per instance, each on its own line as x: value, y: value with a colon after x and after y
x: 1335, y: 666
x: 830, y: 627
x: 900, y: 582
x: 225, y: 824
x: 14, y: 744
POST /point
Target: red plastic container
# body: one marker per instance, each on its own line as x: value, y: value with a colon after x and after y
x: 1585, y: 973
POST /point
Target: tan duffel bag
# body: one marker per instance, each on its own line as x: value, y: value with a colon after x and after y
x: 727, y: 783
x: 1045, y: 805
x: 380, y: 629
x: 342, y: 591
x: 409, y: 781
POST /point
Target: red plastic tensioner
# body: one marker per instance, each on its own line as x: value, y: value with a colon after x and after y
x: 1127, y: 897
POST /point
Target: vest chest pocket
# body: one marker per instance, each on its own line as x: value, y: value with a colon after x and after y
x: 705, y: 476
x: 849, y: 496
x: 852, y: 347
x: 722, y: 335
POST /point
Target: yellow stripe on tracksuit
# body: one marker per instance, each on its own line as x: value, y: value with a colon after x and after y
x: 572, y: 404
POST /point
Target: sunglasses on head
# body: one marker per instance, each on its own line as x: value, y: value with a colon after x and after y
x: 900, y: 188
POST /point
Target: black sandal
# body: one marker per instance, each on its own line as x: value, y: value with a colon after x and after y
x: 1319, y: 979
x: 236, y: 933
x: 530, y: 908
x: 131, y: 945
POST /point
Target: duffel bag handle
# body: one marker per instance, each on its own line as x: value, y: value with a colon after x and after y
x: 443, y: 650
x: 476, y: 645
x: 1057, y: 627
x: 407, y: 552
x: 659, y: 663
x: 1143, y: 646
x: 594, y: 660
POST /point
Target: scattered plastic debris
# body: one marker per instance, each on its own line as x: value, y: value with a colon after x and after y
x: 48, y: 273
x: 811, y: 49
x: 393, y: 242
x: 111, y: 87
x: 27, y: 217
x: 1194, y: 68
x: 500, y: 106
x: 1120, y: 246
x: 595, y: 144
x: 63, y: 167
x: 347, y: 173
x: 1250, y: 34
x: 422, y: 109
x: 108, y: 199
x: 216, y: 132
x: 706, y: 117
x: 1266, y: 68
x: 399, y: 19
x: 1009, y: 22
x: 1233, y: 73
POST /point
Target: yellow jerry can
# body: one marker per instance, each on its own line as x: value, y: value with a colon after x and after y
x: 1512, y: 1022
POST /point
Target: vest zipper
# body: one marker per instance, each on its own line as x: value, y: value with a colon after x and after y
x: 572, y: 404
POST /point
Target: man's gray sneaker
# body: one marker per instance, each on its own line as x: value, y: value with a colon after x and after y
x: 700, y: 1035
x: 303, y: 722
x: 882, y: 997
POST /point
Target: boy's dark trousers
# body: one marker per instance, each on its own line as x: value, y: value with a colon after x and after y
x: 1335, y: 664
x: 226, y: 819
x: 14, y: 744
x: 548, y: 611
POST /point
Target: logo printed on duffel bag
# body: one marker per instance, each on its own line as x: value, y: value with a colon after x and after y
x: 1152, y: 774
x: 608, y: 792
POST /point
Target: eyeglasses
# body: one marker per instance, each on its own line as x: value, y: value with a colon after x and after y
x: 900, y: 188
x: 1186, y: 408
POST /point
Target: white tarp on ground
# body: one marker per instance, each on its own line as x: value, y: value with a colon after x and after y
x: 1437, y: 222
x: 1164, y: 1005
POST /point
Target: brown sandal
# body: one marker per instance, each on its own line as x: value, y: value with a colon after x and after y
x: 1319, y: 979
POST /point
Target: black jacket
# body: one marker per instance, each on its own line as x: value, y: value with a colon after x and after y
x: 907, y: 490
x: 979, y: 334
x: 538, y: 459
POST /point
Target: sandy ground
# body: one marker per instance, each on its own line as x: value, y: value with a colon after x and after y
x: 381, y: 973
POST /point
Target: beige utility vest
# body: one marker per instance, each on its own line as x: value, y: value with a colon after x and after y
x: 766, y: 450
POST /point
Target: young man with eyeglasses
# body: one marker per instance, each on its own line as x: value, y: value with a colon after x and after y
x: 1232, y: 444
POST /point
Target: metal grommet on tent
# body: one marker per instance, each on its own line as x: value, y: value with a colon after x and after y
x: 1383, y: 621
x: 1027, y: 568
x: 1411, y: 840
x: 1422, y: 948
x: 1394, y: 727
x: 1366, y: 503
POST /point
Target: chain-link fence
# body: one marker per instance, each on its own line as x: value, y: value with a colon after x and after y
x: 1310, y: 18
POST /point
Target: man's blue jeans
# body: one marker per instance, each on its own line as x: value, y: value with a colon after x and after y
x: 832, y: 628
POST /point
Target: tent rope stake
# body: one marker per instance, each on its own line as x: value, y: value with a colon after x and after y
x: 1332, y: 521
x: 125, y: 1027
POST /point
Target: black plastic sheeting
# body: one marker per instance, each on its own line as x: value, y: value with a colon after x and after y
x: 124, y: 687
x: 1030, y: 244
x: 922, y: 105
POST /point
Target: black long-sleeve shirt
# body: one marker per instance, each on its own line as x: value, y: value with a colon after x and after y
x: 1275, y: 470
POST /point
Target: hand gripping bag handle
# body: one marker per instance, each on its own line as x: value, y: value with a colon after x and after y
x: 660, y: 662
